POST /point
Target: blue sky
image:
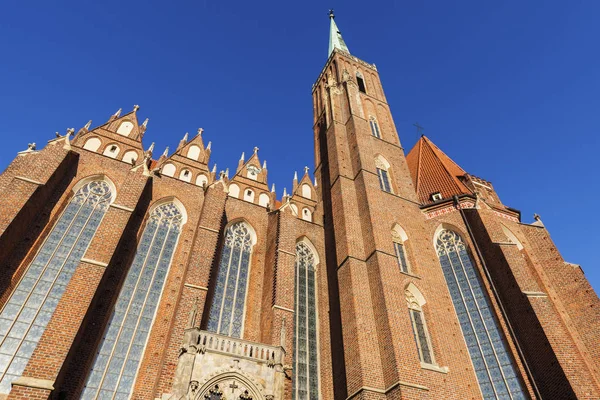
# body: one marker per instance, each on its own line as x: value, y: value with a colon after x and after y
x: 508, y: 89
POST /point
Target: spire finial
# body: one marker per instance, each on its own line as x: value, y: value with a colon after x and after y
x: 295, y: 175
x: 200, y: 130
x: 208, y: 146
x: 166, y: 152
x: 335, y: 36
x: 118, y: 113
x: 273, y: 188
x: 264, y: 164
x: 135, y: 108
x: 151, y: 148
x: 145, y: 123
x: 306, y: 170
x: 185, y: 137
x: 214, y: 170
x: 255, y: 150
x: 242, y: 157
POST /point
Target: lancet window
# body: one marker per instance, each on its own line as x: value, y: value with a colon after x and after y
x: 494, y: 368
x: 374, y: 128
x: 399, y: 238
x: 28, y: 310
x: 383, y: 174
x: 305, y: 379
x: 227, y: 310
x: 422, y: 339
x: 117, y: 361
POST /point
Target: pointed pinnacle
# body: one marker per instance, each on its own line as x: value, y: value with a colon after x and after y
x: 227, y: 173
x: 118, y: 113
x: 214, y: 170
x: 242, y: 157
x: 273, y: 188
x: 145, y: 124
x: 185, y: 137
x: 151, y: 148
x: 306, y: 170
x: 200, y: 130
x: 295, y: 175
x: 255, y: 150
x: 166, y: 152
x: 87, y: 126
x: 135, y: 108
x: 284, y: 192
x: 209, y: 146
x: 264, y: 164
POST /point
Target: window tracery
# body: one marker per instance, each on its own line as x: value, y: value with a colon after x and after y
x: 120, y: 352
x: 400, y: 250
x: 227, y: 309
x: 494, y: 368
x: 30, y: 307
x: 305, y: 379
x: 382, y: 172
x: 374, y: 128
x: 420, y: 332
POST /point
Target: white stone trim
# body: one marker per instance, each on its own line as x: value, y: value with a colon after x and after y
x: 22, y: 178
x: 195, y: 286
x: 283, y: 308
x: 535, y: 294
x: 120, y: 207
x: 434, y: 367
x: 287, y: 252
x: 209, y: 229
x: 94, y: 262
x: 34, y: 383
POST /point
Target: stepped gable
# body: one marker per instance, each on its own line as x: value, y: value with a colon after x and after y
x: 434, y: 172
x: 249, y: 183
x: 120, y: 137
x: 189, y: 162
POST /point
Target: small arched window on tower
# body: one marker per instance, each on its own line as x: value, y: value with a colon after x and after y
x: 249, y: 195
x: 306, y: 215
x: 185, y: 175
x: 360, y: 80
x: 112, y: 150
x: 383, y: 168
x: 374, y: 127
x: 399, y: 238
x: 416, y: 301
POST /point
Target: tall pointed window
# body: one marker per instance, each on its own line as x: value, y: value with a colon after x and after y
x: 415, y: 302
x: 399, y: 238
x: 117, y: 361
x: 28, y: 310
x: 382, y: 167
x: 306, y: 371
x: 360, y: 80
x: 374, y: 127
x: 227, y: 310
x: 494, y: 368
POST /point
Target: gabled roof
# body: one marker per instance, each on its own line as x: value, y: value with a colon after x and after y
x: 433, y: 171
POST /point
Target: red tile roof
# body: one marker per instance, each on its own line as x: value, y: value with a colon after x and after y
x: 433, y: 171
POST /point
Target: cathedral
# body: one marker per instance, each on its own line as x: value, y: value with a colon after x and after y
x: 383, y: 274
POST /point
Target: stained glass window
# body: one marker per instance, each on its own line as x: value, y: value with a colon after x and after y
x: 28, y: 310
x: 421, y: 335
x: 374, y: 128
x: 494, y: 368
x: 115, y: 366
x: 227, y: 310
x: 306, y: 371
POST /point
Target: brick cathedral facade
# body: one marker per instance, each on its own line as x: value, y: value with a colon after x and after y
x: 384, y: 276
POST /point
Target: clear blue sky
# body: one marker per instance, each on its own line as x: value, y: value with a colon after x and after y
x: 508, y: 89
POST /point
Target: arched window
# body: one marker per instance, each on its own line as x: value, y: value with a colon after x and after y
x: 399, y: 237
x: 92, y: 144
x: 306, y: 215
x: 383, y: 173
x: 306, y: 191
x: 415, y: 301
x: 124, y: 340
x: 169, y: 169
x: 201, y: 180
x: 360, y: 80
x: 193, y: 152
x: 130, y: 157
x: 249, y: 195
x: 234, y: 190
x: 494, y: 368
x: 185, y: 175
x: 112, y: 150
x: 306, y: 365
x: 28, y: 310
x: 374, y: 127
x: 125, y: 128
x: 263, y: 200
x: 227, y: 310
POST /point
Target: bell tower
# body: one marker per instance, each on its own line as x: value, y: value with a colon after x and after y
x: 363, y: 176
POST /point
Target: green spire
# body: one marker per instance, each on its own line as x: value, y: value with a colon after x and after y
x: 335, y: 37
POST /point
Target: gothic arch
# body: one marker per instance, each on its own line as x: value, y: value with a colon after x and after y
x: 97, y: 177
x: 312, y: 247
x: 223, y: 377
x: 511, y: 237
x: 174, y: 200
x: 450, y: 227
x: 251, y: 229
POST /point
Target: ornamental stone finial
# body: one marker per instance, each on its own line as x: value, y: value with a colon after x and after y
x: 200, y: 130
x: 118, y: 113
x: 208, y: 146
x: 166, y: 152
x: 255, y: 150
x: 70, y: 131
x: 31, y: 146
x: 306, y: 170
x: 87, y: 126
x: 145, y: 124
x: 135, y: 108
